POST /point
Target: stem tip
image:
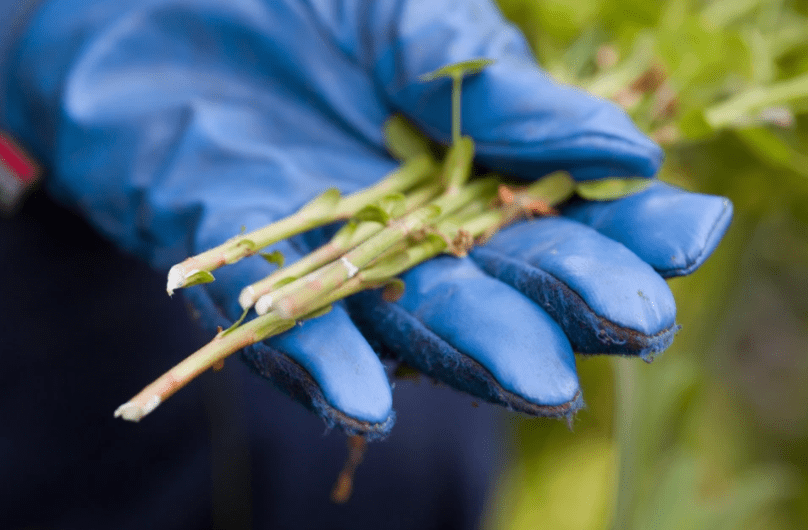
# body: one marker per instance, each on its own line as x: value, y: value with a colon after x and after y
x: 176, y: 278
x: 246, y: 298
x: 133, y: 412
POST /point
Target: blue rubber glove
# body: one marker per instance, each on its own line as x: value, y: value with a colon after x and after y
x: 174, y: 124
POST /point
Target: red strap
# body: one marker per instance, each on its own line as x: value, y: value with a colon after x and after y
x: 18, y: 175
x: 15, y: 160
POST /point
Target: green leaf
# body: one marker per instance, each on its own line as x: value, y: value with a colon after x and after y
x: 249, y: 243
x: 198, y: 278
x: 318, y: 312
x: 403, y: 139
x: 275, y: 257
x: 393, y: 290
x: 610, y: 189
x: 283, y: 281
x: 372, y: 212
x: 273, y: 328
x: 386, y: 268
x: 553, y: 189
x: 388, y: 207
x: 694, y: 125
x: 344, y: 235
x: 236, y: 324
x: 322, y: 205
x: 395, y: 204
x: 460, y: 69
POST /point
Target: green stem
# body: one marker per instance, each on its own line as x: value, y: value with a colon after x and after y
x: 411, y: 173
x: 306, y: 290
x: 457, y: 85
x: 303, y: 291
x: 327, y: 253
x: 276, y: 322
x: 344, y: 240
x: 209, y: 355
x: 325, y: 209
x: 457, y: 166
x: 756, y: 99
x: 625, y: 382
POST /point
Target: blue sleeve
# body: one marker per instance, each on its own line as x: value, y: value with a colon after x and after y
x: 14, y: 16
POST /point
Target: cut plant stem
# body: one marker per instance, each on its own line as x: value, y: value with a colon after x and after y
x: 305, y: 290
x: 457, y: 71
x: 206, y: 357
x: 223, y: 345
x: 457, y: 111
x: 344, y: 240
x: 755, y: 99
x: 311, y: 262
x: 457, y: 166
x: 380, y: 272
x: 341, y: 492
x: 326, y: 208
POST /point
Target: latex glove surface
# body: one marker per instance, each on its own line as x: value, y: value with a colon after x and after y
x: 173, y: 124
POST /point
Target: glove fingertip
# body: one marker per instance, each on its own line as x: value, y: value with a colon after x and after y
x: 604, y: 297
x: 297, y: 382
x: 316, y: 381
x: 434, y: 357
x: 671, y: 229
x: 463, y: 344
x: 718, y: 226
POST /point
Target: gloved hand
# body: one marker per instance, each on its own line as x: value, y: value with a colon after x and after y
x: 174, y: 124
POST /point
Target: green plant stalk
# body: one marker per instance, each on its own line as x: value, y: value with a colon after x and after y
x: 485, y: 222
x: 323, y: 210
x: 341, y: 243
x: 209, y: 355
x: 459, y: 215
x: 457, y: 85
x: 412, y: 172
x: 274, y: 323
x: 625, y: 383
x: 756, y: 99
x: 335, y: 273
x: 472, y: 216
x: 344, y: 240
x: 456, y: 72
x: 553, y: 188
x: 457, y: 166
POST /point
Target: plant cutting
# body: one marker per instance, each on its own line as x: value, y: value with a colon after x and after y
x: 417, y: 212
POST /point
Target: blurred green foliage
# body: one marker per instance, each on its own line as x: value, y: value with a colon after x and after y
x: 714, y: 433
